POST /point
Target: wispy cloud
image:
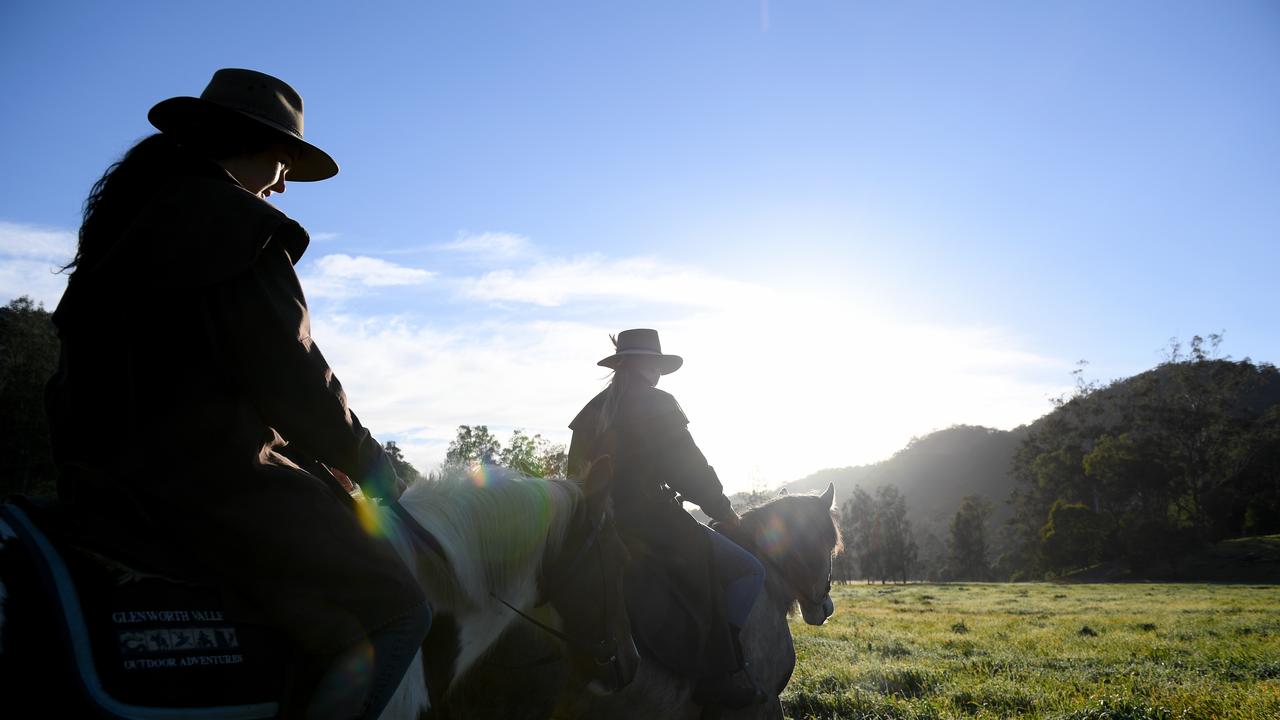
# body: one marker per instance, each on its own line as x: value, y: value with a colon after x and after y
x: 30, y: 257
x: 344, y: 276
x: 556, y: 283
x: 36, y: 243
x: 492, y: 246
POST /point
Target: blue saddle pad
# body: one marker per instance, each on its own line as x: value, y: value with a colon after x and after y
x: 145, y: 645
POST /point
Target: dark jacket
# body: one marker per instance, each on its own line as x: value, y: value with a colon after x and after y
x: 187, y: 363
x: 674, y: 600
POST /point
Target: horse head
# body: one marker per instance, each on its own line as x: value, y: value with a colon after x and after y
x: 584, y: 586
x: 797, y: 536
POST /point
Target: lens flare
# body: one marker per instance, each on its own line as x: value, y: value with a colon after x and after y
x: 774, y: 537
x: 370, y: 517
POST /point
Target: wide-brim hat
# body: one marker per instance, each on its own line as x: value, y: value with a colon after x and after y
x: 245, y: 101
x: 641, y: 342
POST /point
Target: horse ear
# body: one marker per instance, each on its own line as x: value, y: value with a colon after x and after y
x: 828, y: 497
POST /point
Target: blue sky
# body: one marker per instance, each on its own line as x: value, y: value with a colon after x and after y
x: 858, y: 222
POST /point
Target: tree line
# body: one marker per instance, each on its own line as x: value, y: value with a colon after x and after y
x: 880, y: 546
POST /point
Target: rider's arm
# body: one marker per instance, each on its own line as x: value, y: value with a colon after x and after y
x: 262, y: 318
x: 686, y: 470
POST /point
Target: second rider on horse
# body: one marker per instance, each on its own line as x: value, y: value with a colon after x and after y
x: 694, y: 588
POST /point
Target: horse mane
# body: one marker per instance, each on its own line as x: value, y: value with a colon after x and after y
x: 495, y: 525
x: 754, y: 519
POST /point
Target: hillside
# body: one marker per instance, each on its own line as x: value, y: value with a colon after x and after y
x: 1153, y: 466
x: 934, y: 473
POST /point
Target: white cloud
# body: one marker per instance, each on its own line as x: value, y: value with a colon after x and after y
x: 492, y: 245
x: 30, y: 257
x: 343, y: 276
x: 36, y: 243
x: 559, y: 282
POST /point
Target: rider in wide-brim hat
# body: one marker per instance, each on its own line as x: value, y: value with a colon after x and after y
x: 191, y: 400
x: 713, y: 582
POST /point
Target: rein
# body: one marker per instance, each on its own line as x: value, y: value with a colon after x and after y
x: 603, y: 653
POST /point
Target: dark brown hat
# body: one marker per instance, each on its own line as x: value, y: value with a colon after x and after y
x: 245, y: 101
x: 641, y: 342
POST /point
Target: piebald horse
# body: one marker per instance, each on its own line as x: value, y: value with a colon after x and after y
x: 499, y: 545
x: 795, y: 537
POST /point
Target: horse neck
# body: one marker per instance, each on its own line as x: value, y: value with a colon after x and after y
x: 494, y: 545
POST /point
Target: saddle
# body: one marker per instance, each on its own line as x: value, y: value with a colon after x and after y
x: 136, y: 637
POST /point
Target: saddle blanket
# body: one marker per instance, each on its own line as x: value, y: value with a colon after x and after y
x: 143, y: 645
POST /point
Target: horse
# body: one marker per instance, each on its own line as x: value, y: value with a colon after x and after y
x: 486, y: 545
x: 794, y: 536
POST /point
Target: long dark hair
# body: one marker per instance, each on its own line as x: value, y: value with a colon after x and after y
x: 133, y: 180
x: 624, y: 376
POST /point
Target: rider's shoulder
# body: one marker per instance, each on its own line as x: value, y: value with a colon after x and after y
x: 650, y: 402
x: 588, y: 415
x: 203, y: 230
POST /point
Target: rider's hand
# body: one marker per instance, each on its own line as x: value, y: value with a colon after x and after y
x: 342, y: 478
x: 732, y: 521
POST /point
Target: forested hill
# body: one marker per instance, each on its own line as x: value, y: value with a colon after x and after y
x: 934, y: 473
x: 1145, y: 470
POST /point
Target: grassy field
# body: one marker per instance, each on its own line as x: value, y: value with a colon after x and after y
x: 1078, y: 652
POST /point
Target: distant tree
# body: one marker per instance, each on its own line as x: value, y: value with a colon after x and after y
x: 1073, y: 537
x: 758, y: 494
x: 1260, y: 482
x: 897, y: 546
x: 857, y: 525
x: 527, y: 454
x: 533, y: 455
x: 473, y: 444
x: 28, y: 357
x: 877, y: 535
x: 407, y: 472
x: 553, y: 459
x: 968, y: 543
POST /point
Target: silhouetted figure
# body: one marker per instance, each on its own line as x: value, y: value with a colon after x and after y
x: 654, y: 457
x: 187, y: 363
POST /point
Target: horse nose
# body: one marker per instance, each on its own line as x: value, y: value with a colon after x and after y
x: 828, y: 607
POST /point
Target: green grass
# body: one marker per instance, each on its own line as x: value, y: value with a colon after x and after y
x: 1076, y: 652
